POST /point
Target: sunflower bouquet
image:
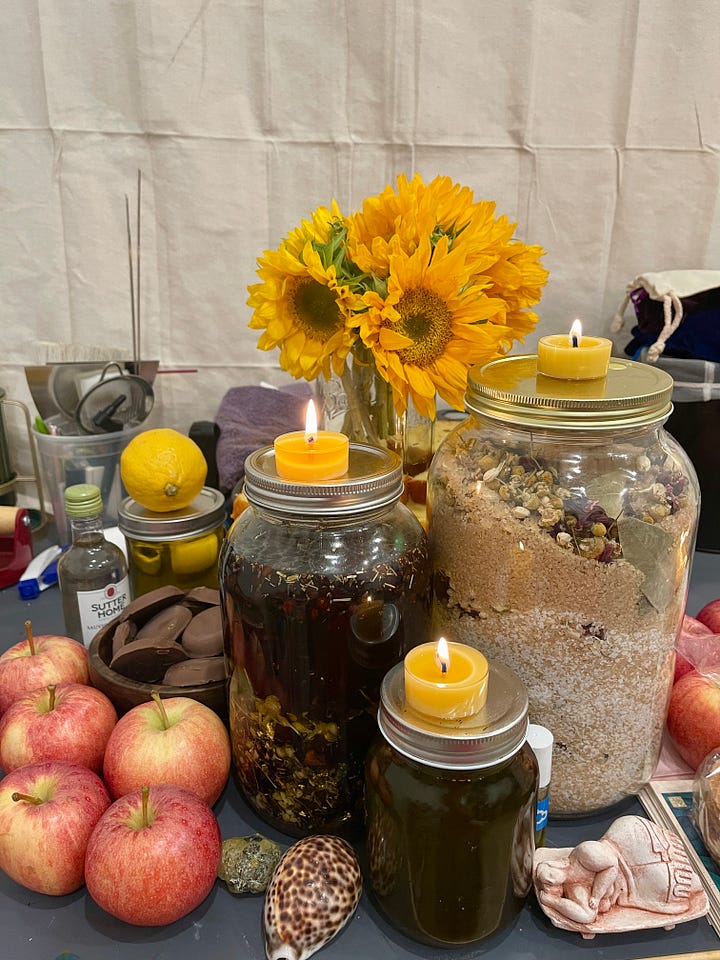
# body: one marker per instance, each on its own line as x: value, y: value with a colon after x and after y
x: 413, y: 289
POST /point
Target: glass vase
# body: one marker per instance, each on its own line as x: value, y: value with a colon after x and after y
x: 359, y: 403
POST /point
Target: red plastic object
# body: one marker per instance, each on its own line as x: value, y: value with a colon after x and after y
x: 15, y: 549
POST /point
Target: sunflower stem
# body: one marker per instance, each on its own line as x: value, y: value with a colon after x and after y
x: 360, y: 419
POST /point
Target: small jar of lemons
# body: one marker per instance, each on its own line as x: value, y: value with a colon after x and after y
x: 179, y: 547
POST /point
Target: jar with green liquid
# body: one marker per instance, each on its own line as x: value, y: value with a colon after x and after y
x: 451, y: 814
x: 179, y: 548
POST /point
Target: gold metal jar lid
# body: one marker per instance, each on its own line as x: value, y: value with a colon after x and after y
x: 511, y: 389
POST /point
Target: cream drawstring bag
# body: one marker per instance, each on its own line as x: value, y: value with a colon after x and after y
x: 668, y: 287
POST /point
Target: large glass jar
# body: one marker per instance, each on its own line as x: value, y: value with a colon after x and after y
x: 451, y: 814
x: 324, y: 587
x: 562, y: 527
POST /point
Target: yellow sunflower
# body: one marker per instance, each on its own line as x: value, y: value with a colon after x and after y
x: 518, y: 276
x: 432, y: 325
x: 300, y: 305
x: 406, y: 215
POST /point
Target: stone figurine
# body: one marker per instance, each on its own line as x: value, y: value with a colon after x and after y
x: 636, y: 876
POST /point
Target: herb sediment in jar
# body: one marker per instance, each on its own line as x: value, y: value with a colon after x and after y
x: 569, y: 562
x: 316, y: 615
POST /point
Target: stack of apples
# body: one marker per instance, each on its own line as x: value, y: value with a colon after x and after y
x: 693, y: 721
x: 123, y: 806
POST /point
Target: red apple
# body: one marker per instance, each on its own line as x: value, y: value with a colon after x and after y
x: 47, y: 813
x: 178, y: 740
x: 710, y: 615
x: 693, y: 720
x: 153, y: 856
x: 37, y: 661
x: 693, y: 647
x: 70, y: 721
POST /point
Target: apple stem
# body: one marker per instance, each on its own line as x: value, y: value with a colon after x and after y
x: 51, y: 691
x: 29, y: 635
x: 158, y: 700
x: 145, y: 794
x: 26, y: 797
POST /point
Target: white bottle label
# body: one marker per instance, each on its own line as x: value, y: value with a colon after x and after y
x: 98, y: 607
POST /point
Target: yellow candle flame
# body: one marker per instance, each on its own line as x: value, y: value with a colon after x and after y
x: 575, y: 335
x: 442, y: 655
x: 311, y: 427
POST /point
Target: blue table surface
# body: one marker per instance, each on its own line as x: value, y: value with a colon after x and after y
x: 36, y: 927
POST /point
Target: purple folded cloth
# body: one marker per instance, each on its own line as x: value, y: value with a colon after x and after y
x: 251, y: 417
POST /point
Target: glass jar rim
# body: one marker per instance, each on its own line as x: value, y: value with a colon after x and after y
x: 204, y: 513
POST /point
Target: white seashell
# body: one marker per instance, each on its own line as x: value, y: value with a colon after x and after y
x: 521, y: 512
x: 313, y: 892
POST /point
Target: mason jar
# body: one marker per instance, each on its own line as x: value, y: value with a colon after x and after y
x: 451, y: 814
x: 562, y: 526
x: 179, y: 548
x: 324, y: 587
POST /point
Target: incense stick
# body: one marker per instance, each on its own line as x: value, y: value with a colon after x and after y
x: 137, y: 255
x: 132, y: 284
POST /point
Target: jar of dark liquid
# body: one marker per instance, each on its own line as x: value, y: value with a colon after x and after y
x: 324, y: 587
x: 451, y: 814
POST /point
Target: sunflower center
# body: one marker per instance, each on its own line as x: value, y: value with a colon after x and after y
x: 426, y: 320
x: 315, y: 310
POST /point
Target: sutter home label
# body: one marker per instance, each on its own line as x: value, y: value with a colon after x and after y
x: 99, y: 607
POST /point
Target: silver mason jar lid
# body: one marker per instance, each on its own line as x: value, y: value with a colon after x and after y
x: 374, y: 480
x: 494, y: 734
x: 204, y: 513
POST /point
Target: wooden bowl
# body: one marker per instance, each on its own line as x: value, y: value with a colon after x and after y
x: 126, y: 693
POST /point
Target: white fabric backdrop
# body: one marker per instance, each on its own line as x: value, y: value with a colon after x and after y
x: 595, y: 126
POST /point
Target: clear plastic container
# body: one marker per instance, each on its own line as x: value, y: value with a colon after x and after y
x: 562, y: 527
x: 324, y: 587
x: 66, y: 460
x: 451, y: 814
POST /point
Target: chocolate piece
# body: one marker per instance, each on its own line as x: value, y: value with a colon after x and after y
x: 124, y: 632
x: 147, y: 660
x: 189, y: 673
x: 205, y: 596
x: 203, y: 636
x: 168, y: 624
x: 143, y: 608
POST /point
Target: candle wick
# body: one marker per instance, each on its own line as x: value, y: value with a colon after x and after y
x: 311, y: 439
x: 443, y: 666
x: 574, y: 340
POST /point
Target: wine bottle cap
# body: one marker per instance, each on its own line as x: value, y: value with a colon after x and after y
x: 83, y: 500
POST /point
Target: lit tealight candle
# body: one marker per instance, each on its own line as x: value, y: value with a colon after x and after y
x: 311, y: 455
x: 445, y: 680
x: 574, y: 357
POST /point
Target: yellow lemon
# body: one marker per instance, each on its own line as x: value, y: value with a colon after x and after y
x: 163, y: 469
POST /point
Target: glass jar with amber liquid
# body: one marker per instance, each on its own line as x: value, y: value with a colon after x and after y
x: 451, y: 814
x: 324, y: 586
